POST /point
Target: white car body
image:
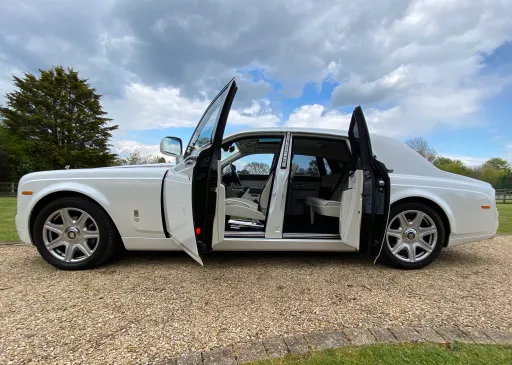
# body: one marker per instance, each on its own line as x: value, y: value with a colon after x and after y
x: 122, y: 190
x: 145, y: 201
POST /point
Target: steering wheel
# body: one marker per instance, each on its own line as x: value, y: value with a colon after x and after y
x: 234, y: 175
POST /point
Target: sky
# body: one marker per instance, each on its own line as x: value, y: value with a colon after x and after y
x: 441, y: 70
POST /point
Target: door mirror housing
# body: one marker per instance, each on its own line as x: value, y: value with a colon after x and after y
x: 171, y: 146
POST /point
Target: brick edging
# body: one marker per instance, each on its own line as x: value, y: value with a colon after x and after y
x: 302, y: 343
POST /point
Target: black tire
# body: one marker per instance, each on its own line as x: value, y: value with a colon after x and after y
x: 390, y: 259
x: 106, y: 246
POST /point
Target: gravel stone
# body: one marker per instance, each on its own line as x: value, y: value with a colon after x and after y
x: 193, y: 358
x: 477, y: 335
x: 430, y: 335
x: 296, y: 344
x: 383, y: 335
x: 504, y: 337
x: 405, y: 334
x: 248, y: 352
x: 275, y: 347
x: 325, y: 340
x: 149, y: 307
x: 359, y: 336
x: 220, y: 356
x: 453, y: 334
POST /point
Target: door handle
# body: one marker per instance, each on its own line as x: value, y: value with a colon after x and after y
x: 298, y: 185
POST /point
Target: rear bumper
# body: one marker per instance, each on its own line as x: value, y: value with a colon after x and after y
x: 461, y: 239
x: 457, y: 240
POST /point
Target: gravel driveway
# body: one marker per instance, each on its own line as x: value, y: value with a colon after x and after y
x: 149, y: 306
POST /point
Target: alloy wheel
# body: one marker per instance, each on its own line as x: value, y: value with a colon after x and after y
x: 411, y: 236
x: 71, y: 235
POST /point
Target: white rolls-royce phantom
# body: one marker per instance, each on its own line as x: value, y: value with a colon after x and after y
x: 299, y: 190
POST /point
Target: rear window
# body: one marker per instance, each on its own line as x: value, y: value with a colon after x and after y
x: 307, y: 165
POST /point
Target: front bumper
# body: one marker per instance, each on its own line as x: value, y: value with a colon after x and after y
x: 497, y: 221
x: 22, y: 226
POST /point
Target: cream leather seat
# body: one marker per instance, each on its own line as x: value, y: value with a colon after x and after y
x: 243, y: 208
x: 328, y: 207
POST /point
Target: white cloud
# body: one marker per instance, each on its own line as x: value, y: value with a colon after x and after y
x: 317, y: 116
x: 125, y: 147
x: 413, y: 64
x: 468, y: 160
x: 146, y: 107
x: 509, y: 152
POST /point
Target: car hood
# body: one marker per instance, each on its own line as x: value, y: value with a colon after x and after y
x: 141, y: 171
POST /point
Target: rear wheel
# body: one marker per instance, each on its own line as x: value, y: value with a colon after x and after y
x: 74, y: 233
x: 414, y: 237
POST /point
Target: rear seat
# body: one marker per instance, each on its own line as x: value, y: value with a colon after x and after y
x: 328, y: 207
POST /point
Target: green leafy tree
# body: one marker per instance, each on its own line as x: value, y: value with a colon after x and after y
x: 453, y: 166
x: 257, y: 168
x: 52, y: 121
x: 421, y: 146
x: 313, y: 169
x: 499, y: 164
x: 493, y: 170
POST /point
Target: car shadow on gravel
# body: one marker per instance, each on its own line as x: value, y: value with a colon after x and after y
x: 244, y: 259
x: 450, y: 258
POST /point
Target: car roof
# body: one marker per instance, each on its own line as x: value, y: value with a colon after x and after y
x: 320, y: 131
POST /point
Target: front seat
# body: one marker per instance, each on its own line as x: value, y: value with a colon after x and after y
x: 243, y: 208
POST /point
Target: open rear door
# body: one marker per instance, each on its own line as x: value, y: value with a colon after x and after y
x: 374, y: 188
x: 192, y: 188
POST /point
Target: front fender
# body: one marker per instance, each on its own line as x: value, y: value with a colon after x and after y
x: 72, y: 186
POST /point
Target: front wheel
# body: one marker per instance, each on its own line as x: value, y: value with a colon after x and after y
x: 414, y: 237
x: 73, y: 233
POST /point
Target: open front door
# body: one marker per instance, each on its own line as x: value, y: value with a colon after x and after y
x: 372, y: 185
x: 192, y: 187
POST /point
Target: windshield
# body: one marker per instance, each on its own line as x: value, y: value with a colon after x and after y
x: 204, y: 133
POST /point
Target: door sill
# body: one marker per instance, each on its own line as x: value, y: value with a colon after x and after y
x: 247, y: 234
x: 322, y: 236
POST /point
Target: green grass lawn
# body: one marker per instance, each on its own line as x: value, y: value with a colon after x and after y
x: 8, y: 211
x: 505, y: 217
x: 424, y: 354
x: 7, y: 214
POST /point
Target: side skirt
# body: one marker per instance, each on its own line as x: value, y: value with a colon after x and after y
x: 242, y: 244
x: 282, y: 244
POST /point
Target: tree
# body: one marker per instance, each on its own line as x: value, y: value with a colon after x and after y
x: 499, y: 164
x: 420, y: 145
x: 138, y: 158
x: 453, y: 166
x: 257, y: 168
x: 54, y: 120
x: 493, y: 170
x: 313, y: 169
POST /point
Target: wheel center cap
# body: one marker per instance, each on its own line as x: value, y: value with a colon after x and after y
x: 410, y: 234
x: 72, y: 233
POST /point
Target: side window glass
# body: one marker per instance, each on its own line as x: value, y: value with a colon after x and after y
x: 327, y: 168
x: 307, y: 165
x: 257, y: 164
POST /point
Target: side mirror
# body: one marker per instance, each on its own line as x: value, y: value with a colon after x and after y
x: 171, y: 146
